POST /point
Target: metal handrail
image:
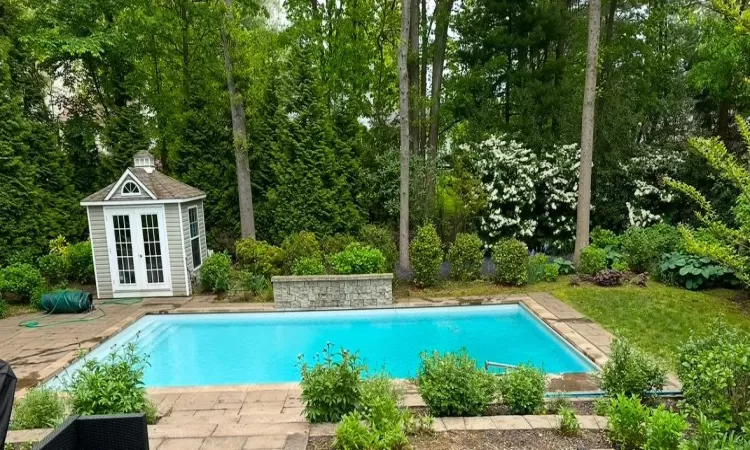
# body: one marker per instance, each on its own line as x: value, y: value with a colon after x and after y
x: 488, y: 364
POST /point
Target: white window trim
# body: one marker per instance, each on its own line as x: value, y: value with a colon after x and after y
x: 197, y: 236
x: 126, y: 175
x: 130, y: 194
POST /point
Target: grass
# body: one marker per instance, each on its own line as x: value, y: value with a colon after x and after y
x: 657, y: 318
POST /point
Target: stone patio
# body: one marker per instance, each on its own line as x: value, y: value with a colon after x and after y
x: 257, y: 416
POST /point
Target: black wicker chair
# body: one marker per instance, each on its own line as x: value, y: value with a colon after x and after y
x: 112, y: 432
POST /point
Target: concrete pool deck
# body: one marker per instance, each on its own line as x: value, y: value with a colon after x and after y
x: 247, y: 416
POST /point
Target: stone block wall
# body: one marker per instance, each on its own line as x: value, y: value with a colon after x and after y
x: 330, y: 291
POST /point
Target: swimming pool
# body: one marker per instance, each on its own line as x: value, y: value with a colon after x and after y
x: 249, y: 348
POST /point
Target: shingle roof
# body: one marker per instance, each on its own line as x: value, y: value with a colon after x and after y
x: 162, y: 186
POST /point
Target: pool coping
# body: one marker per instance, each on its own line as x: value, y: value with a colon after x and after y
x: 578, y: 342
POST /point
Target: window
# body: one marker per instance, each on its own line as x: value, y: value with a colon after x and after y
x: 195, y: 238
x: 130, y: 188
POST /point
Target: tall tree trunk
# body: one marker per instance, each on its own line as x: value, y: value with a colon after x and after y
x: 244, y: 187
x: 425, y: 39
x: 587, y: 132
x: 442, y: 21
x: 403, y: 91
x: 413, y: 72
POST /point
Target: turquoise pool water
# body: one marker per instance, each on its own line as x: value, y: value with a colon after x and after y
x: 216, y: 349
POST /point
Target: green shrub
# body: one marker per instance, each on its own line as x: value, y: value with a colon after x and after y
x: 55, y: 268
x: 569, y: 425
x: 81, y: 263
x: 593, y: 260
x: 511, y: 258
x: 664, y: 430
x: 693, y: 272
x: 357, y: 259
x: 112, y: 386
x: 453, y: 385
x: 23, y: 280
x: 535, y: 270
x: 4, y: 311
x: 308, y: 266
x: 382, y: 239
x: 602, y: 238
x: 551, y: 272
x: 426, y: 256
x: 216, y: 273
x: 627, y: 422
x: 710, y: 435
x: 556, y: 402
x: 26, y: 255
x: 330, y: 245
x: 465, y: 257
x: 715, y: 375
x: 643, y: 247
x: 565, y: 267
x: 252, y: 287
x: 620, y: 266
x: 331, y: 388
x: 631, y: 372
x: 259, y: 257
x: 523, y: 389
x: 39, y: 408
x: 297, y: 246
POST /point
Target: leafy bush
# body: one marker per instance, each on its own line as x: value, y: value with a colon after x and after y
x: 710, y: 435
x: 511, y: 258
x: 627, y: 422
x: 216, y: 273
x: 382, y: 239
x: 565, y: 267
x: 609, y: 277
x: 308, y: 266
x: 81, y: 263
x: 715, y: 375
x: 664, y: 430
x: 535, y: 270
x: 357, y: 259
x: 297, y: 246
x: 693, y: 272
x: 39, y: 408
x: 26, y: 255
x: 452, y: 385
x: 426, y: 256
x: 23, y: 280
x: 259, y: 257
x: 569, y: 425
x: 620, y: 266
x: 251, y: 287
x: 557, y: 402
x: 379, y: 424
x: 55, y: 268
x: 602, y: 238
x: 112, y: 386
x: 523, y: 389
x: 551, y: 272
x: 330, y: 245
x: 465, y: 257
x: 629, y: 371
x: 593, y: 260
x: 331, y: 388
x: 644, y: 246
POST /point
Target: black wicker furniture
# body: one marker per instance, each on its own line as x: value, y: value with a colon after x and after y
x: 111, y: 432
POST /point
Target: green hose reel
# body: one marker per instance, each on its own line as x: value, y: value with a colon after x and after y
x: 67, y: 302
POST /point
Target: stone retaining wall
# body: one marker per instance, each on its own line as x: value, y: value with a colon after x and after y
x: 327, y: 291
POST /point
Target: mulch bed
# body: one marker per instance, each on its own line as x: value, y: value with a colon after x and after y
x: 494, y: 440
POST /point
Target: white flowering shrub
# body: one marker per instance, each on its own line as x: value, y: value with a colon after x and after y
x: 530, y: 196
x: 646, y: 172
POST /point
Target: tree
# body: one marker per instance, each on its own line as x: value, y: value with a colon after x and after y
x: 244, y: 185
x: 587, y: 131
x: 404, y: 113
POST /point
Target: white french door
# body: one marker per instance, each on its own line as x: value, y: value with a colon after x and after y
x: 137, y: 247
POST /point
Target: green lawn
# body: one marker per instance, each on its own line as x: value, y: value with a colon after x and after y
x: 657, y: 318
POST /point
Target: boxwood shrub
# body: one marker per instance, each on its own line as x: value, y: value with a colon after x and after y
x: 23, y: 280
x: 426, y: 256
x: 593, y: 260
x: 297, y: 246
x: 259, y: 257
x: 465, y: 257
x: 382, y: 239
x: 357, y: 259
x: 522, y: 390
x: 216, y: 273
x: 511, y: 258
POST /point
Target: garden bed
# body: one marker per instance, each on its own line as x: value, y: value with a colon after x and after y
x: 494, y: 440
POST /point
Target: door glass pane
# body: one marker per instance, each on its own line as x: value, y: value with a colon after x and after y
x: 152, y: 248
x: 124, y: 249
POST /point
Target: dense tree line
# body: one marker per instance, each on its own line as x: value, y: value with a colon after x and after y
x: 86, y: 84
